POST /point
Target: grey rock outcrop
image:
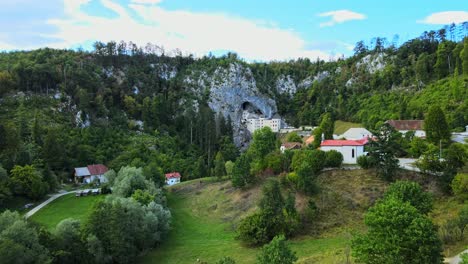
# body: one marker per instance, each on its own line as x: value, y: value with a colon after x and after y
x: 234, y: 93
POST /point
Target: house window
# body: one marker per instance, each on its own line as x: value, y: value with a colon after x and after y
x: 352, y: 153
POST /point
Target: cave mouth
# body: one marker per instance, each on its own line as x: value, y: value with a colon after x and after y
x: 248, y: 107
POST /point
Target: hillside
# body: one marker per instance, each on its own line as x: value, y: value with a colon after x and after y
x: 207, y: 212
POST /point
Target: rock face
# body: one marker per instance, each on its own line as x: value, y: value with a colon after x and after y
x: 372, y: 62
x: 234, y: 93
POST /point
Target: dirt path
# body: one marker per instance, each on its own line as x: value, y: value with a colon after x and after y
x: 46, y: 202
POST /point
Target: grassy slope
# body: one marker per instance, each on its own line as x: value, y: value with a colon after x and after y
x: 342, y: 126
x: 67, y: 206
x: 206, y: 214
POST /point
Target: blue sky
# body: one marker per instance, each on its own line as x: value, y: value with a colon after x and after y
x: 256, y: 30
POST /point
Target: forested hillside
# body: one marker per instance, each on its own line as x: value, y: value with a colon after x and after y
x: 120, y: 104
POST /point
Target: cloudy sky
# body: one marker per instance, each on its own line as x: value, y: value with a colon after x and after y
x: 257, y: 30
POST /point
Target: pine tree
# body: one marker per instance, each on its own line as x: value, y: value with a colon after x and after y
x: 436, y: 126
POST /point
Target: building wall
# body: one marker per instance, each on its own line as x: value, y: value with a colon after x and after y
x: 254, y: 124
x: 347, y: 152
x: 173, y: 181
x: 417, y: 133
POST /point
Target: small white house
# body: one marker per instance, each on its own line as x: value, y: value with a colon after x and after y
x: 172, y: 178
x: 357, y: 133
x: 350, y: 149
x: 290, y: 146
x: 404, y: 126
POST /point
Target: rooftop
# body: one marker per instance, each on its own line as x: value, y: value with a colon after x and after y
x: 341, y: 142
x: 407, y: 124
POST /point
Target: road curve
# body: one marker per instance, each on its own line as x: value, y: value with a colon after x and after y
x: 46, y: 202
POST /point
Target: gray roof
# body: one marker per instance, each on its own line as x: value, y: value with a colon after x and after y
x: 356, y: 133
x: 81, y: 172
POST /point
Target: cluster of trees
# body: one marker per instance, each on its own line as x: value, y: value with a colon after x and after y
x: 277, y: 216
x: 264, y: 158
x: 399, y: 230
x: 127, y: 223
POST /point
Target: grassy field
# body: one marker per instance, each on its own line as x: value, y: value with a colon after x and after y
x: 342, y: 126
x: 67, y: 206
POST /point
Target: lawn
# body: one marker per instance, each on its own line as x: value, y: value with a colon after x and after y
x: 342, y: 126
x: 67, y: 206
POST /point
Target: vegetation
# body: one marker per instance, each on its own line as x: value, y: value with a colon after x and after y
x: 277, y: 252
x: 383, y: 150
x: 397, y: 233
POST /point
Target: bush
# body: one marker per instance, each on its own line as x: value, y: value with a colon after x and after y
x: 277, y: 252
x: 460, y: 186
x: 252, y: 229
x: 226, y: 260
x: 334, y: 159
x: 364, y: 162
x: 450, y: 232
x: 410, y: 192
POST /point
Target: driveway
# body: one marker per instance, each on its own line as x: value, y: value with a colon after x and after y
x: 408, y: 164
x: 46, y: 202
x: 456, y: 259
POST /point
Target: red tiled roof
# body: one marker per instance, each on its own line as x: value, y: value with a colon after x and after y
x: 309, y: 140
x: 340, y: 142
x: 407, y: 124
x: 97, y: 169
x: 172, y: 175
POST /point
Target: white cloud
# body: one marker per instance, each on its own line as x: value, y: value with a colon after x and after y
x: 146, y: 1
x: 445, y: 18
x: 340, y: 16
x: 197, y: 33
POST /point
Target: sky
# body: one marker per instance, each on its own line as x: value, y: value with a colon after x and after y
x: 257, y: 30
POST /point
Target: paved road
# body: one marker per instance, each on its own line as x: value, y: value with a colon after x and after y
x: 46, y: 202
x: 408, y: 164
x: 456, y: 259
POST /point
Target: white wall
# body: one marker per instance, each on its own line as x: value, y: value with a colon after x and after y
x: 417, y: 133
x: 172, y: 181
x: 347, y: 152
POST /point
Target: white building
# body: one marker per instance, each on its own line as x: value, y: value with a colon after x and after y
x: 350, y: 149
x: 404, y: 126
x: 172, y: 178
x: 357, y: 133
x: 258, y: 123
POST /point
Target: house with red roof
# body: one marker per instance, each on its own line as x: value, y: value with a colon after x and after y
x: 91, y: 173
x: 172, y: 178
x: 350, y: 149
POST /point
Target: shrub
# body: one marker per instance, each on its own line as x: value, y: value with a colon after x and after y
x: 460, y: 186
x: 334, y: 159
x: 252, y: 229
x: 226, y: 260
x: 364, y: 162
x: 450, y: 232
x: 277, y: 252
x: 411, y: 192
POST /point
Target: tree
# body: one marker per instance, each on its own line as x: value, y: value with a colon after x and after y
x: 410, y: 192
x: 144, y: 197
x: 318, y: 131
x: 441, y: 66
x: 327, y: 125
x: 220, y: 169
x: 229, y: 165
x: 5, y: 192
x: 241, y: 171
x: 277, y: 252
x: 69, y: 247
x: 19, y: 242
x: 460, y: 186
x: 464, y: 56
x: 28, y: 181
x: 436, y: 126
x: 293, y: 137
x: 264, y: 142
x: 383, y: 149
x: 130, y: 179
x: 464, y: 258
x: 397, y: 233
